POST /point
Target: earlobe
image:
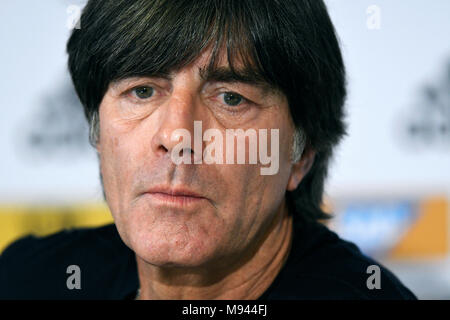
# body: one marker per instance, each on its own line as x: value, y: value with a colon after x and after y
x: 97, y: 147
x: 300, y: 169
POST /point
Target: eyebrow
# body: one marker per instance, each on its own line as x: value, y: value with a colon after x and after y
x: 125, y: 80
x: 218, y: 74
x: 225, y: 74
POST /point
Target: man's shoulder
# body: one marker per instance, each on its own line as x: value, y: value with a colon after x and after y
x: 32, y: 244
x: 321, y: 265
x: 38, y: 267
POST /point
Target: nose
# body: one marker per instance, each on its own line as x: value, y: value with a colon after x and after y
x: 176, y: 118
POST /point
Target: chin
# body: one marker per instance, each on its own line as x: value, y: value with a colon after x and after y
x: 173, y: 253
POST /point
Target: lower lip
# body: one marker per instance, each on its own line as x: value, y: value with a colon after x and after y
x: 175, y: 200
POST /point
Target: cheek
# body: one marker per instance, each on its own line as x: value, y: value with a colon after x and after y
x: 115, y: 163
x: 245, y: 192
x: 247, y: 187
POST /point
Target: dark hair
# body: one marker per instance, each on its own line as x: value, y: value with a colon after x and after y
x: 290, y: 44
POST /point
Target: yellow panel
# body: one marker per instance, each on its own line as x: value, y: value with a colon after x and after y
x: 428, y: 236
x: 17, y: 221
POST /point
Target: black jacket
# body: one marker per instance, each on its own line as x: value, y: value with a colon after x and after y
x: 320, y: 266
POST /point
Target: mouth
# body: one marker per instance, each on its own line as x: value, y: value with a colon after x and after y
x: 174, y: 196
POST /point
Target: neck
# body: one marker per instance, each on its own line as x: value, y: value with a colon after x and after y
x: 246, y: 281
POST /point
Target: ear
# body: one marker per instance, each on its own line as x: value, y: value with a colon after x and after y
x: 301, y: 168
x: 95, y: 146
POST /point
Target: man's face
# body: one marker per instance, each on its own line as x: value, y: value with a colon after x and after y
x: 234, y: 203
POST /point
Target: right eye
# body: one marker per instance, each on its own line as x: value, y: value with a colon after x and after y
x: 143, y: 92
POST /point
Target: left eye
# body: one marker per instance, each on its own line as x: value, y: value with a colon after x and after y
x: 143, y: 92
x: 232, y: 99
